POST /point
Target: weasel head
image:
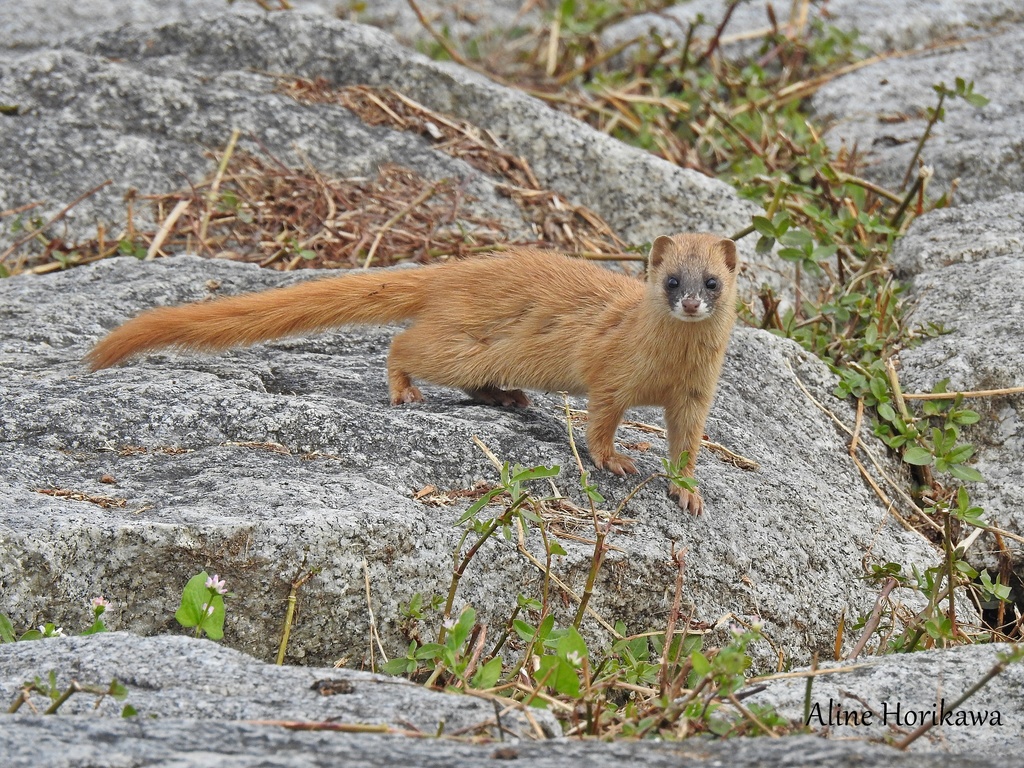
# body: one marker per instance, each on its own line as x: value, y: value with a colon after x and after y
x: 694, y: 276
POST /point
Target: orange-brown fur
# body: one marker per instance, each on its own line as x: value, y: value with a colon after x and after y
x: 525, y: 319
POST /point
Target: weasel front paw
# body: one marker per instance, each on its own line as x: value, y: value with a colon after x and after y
x: 617, y: 463
x: 688, y: 500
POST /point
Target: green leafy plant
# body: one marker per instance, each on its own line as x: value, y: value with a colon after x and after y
x: 98, y: 607
x: 202, y: 606
x: 52, y: 691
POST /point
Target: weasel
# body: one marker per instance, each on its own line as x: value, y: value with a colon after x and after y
x: 498, y: 324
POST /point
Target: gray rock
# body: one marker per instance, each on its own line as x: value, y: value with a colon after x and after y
x: 186, y: 89
x: 42, y: 24
x: 882, y: 25
x: 182, y: 436
x: 74, y: 743
x: 184, y: 678
x: 200, y: 705
x: 898, y: 688
x: 881, y: 109
x: 459, y: 19
x: 965, y: 268
x: 142, y: 107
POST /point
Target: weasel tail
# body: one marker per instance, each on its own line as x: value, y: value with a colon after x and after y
x: 211, y: 326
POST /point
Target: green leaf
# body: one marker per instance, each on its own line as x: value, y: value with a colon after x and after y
x: 196, y: 601
x: 822, y: 252
x: 524, y: 630
x: 430, y: 651
x: 462, y: 628
x: 479, y: 504
x: 964, y: 417
x: 128, y: 711
x: 555, y: 548
x: 700, y: 663
x: 965, y: 473
x: 193, y: 598
x: 97, y: 627
x: 6, y: 630
x: 886, y: 412
x: 791, y: 254
x: 918, y: 456
x: 763, y: 226
x: 572, y: 642
x: 535, y: 473
x: 399, y: 666
x: 764, y: 244
x: 560, y: 675
x: 797, y: 237
x: 545, y: 628
x: 488, y: 674
x: 960, y: 454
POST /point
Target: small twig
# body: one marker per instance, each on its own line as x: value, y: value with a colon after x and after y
x: 716, y: 38
x: 300, y: 725
x: 374, y: 634
x: 20, y: 209
x: 673, y: 616
x: 935, y: 117
x: 421, y: 198
x: 751, y: 716
x: 872, y: 622
x: 289, y: 615
x: 211, y: 196
x: 968, y: 393
x: 856, y: 426
x: 165, y: 229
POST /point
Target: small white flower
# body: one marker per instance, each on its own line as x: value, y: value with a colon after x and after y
x: 58, y: 632
x: 574, y: 658
x: 535, y: 661
x: 208, y: 609
x: 449, y: 623
x: 217, y: 584
x: 100, y: 602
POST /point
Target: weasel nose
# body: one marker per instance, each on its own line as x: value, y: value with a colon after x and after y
x: 690, y: 306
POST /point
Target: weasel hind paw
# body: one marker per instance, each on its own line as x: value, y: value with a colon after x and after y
x: 405, y: 395
x: 688, y: 500
x: 507, y: 398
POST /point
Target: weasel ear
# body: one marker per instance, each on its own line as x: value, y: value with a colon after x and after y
x: 728, y: 249
x: 662, y: 247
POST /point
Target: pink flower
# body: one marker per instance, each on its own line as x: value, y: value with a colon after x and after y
x: 217, y: 584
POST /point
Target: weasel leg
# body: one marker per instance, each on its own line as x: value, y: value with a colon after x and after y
x: 605, y: 415
x: 508, y: 398
x: 400, y: 387
x: 685, y: 428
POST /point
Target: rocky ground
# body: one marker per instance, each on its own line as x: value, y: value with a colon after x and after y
x: 263, y: 463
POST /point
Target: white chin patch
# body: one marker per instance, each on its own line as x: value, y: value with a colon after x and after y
x: 701, y: 313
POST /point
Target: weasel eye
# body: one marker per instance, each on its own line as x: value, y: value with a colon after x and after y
x: 672, y: 283
x: 711, y: 284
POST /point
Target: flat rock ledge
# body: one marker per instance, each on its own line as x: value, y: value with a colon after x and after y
x: 202, y: 705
